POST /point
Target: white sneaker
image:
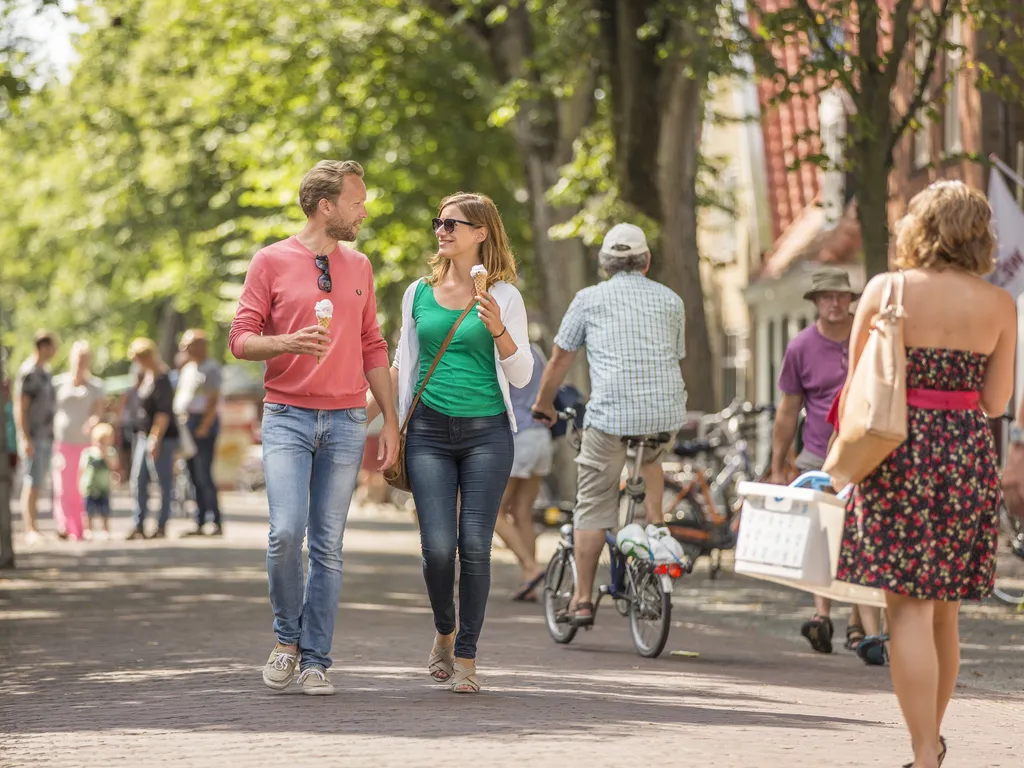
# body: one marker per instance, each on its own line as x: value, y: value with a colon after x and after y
x: 279, y: 671
x: 314, y: 682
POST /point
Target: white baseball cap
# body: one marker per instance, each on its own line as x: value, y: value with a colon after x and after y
x: 624, y: 240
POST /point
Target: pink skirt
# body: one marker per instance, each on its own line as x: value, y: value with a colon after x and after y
x: 68, y: 505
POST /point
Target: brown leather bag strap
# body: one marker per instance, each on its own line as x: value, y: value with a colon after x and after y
x: 437, y: 359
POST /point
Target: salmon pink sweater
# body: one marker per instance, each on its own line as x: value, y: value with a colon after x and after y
x: 278, y: 298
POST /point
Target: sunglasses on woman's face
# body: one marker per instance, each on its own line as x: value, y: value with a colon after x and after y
x: 324, y: 281
x: 449, y: 224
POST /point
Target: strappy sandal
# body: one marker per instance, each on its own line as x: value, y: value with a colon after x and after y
x: 524, y: 593
x: 571, y: 615
x: 818, y: 632
x: 442, y: 661
x: 854, y: 636
x: 464, y: 679
x: 942, y: 753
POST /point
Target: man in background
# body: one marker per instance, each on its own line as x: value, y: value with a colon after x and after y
x: 813, y: 373
x: 34, y: 411
x: 195, y: 406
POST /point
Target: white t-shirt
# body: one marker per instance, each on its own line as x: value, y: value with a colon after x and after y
x: 196, y: 382
x: 75, y: 405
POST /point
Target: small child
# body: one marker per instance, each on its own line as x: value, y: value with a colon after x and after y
x: 98, y: 461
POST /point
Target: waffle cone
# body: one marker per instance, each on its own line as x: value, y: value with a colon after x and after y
x: 480, y: 283
x: 325, y: 323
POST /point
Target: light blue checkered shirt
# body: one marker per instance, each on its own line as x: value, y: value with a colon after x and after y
x: 633, y: 330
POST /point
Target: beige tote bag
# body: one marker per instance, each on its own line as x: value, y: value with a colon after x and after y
x: 873, y: 422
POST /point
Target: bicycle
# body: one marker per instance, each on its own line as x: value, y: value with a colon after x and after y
x: 1012, y: 529
x: 640, y: 589
x: 703, y: 514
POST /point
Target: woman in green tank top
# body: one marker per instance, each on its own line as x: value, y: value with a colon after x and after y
x: 458, y: 450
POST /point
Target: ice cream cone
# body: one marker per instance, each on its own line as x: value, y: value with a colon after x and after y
x: 325, y: 323
x: 479, y: 275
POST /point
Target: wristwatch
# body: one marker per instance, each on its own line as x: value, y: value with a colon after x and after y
x: 1016, y: 434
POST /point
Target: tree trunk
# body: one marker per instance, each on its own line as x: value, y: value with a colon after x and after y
x: 6, y: 482
x: 873, y: 213
x: 545, y: 130
x: 657, y: 115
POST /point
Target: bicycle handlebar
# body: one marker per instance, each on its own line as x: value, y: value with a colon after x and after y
x: 569, y: 414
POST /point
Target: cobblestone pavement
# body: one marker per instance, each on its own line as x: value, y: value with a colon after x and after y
x: 148, y: 653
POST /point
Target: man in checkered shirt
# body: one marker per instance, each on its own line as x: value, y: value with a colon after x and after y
x: 633, y: 330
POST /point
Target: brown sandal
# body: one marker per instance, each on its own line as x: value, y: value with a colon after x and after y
x: 441, y: 662
x: 464, y: 680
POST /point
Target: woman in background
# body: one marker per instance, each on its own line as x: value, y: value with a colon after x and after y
x: 80, y: 402
x: 156, y: 437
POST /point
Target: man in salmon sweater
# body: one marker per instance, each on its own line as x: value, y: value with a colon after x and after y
x: 314, y: 416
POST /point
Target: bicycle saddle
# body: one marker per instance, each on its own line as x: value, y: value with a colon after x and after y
x: 649, y: 441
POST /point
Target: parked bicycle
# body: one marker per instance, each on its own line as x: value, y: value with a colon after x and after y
x: 1011, y: 531
x: 640, y: 589
x: 700, y: 505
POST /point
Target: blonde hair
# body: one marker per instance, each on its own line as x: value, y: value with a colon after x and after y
x: 495, y: 252
x: 142, y: 347
x: 101, y: 432
x: 325, y: 181
x: 947, y: 225
x: 80, y: 347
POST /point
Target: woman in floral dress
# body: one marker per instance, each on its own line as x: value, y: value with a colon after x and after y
x: 923, y: 525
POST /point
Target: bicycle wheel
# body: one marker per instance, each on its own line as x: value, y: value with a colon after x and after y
x: 650, y: 609
x: 1011, y: 531
x: 559, y: 586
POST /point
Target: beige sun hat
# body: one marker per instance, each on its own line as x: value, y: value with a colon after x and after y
x: 830, y: 279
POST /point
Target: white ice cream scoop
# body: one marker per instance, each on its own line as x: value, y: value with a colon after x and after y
x: 324, y: 308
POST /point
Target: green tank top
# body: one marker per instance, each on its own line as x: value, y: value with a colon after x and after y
x: 465, y: 382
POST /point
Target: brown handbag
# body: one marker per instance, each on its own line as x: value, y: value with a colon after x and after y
x: 396, y: 475
x: 873, y: 422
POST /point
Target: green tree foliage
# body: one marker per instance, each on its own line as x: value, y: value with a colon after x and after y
x: 175, y: 151
x: 885, y: 56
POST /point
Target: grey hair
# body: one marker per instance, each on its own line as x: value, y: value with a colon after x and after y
x: 612, y: 264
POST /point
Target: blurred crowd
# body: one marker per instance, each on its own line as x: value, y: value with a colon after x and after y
x: 79, y: 441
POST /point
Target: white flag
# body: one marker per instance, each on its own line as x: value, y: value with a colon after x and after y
x: 1009, y: 229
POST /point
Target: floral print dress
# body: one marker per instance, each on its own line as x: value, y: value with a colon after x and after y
x: 925, y: 523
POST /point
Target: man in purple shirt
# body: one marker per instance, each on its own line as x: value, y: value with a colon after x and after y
x: 813, y: 372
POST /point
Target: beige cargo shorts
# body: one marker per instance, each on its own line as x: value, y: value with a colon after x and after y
x: 599, y: 474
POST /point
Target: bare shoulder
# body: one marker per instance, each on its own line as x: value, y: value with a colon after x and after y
x: 1001, y: 302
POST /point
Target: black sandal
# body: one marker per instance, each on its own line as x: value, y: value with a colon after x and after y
x: 818, y: 632
x: 854, y: 636
x: 523, y: 593
x: 942, y: 753
x: 586, y: 620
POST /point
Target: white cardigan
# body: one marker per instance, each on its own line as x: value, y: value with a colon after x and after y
x: 515, y: 370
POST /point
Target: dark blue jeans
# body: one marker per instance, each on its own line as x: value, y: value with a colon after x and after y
x: 448, y: 457
x: 200, y: 469
x: 142, y: 470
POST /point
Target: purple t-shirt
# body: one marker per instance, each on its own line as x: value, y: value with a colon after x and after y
x: 815, y: 367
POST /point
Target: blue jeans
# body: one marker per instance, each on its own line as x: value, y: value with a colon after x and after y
x: 445, y: 456
x: 311, y: 459
x: 140, y: 478
x: 200, y: 469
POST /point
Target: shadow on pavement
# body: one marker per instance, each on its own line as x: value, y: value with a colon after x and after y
x: 170, y: 635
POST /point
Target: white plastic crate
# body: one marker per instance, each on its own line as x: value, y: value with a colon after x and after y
x: 792, y: 536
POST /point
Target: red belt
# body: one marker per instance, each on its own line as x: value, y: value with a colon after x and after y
x: 937, y: 400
